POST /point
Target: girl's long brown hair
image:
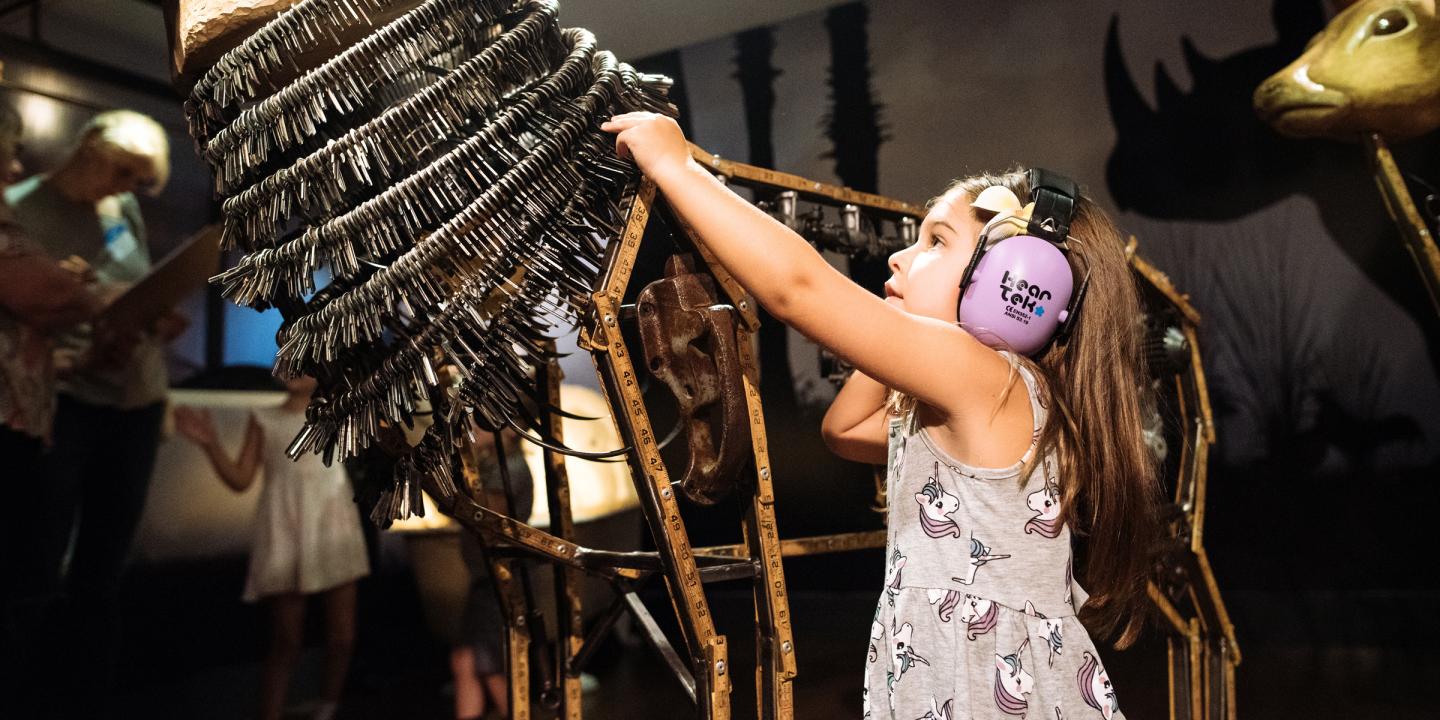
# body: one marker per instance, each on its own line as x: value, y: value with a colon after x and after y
x: 1092, y: 385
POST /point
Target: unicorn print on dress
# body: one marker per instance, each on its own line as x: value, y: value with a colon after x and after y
x: 1012, y: 683
x: 939, y: 711
x: 980, y: 554
x: 892, y: 575
x: 1095, y: 687
x: 1048, y: 631
x: 1046, y: 504
x: 877, y: 632
x: 905, y: 655
x: 1069, y: 582
x: 947, y: 600
x: 897, y: 441
x: 936, y: 506
x: 979, y: 616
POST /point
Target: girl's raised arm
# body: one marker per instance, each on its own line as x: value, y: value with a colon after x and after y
x: 936, y: 362
x: 237, y: 474
x: 855, y: 425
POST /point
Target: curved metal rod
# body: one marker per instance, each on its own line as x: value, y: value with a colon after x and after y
x: 565, y: 414
x: 674, y: 433
x: 563, y: 450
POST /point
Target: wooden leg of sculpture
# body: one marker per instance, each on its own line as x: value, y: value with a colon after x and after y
x: 570, y: 623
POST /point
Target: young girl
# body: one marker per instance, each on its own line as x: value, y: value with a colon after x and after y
x: 978, y: 615
x: 307, y: 540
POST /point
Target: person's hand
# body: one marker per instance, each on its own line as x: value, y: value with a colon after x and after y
x: 195, y: 425
x: 654, y: 141
x: 169, y: 326
x: 76, y: 265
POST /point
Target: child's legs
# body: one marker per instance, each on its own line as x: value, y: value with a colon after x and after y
x: 287, y: 634
x: 469, y: 693
x: 339, y: 638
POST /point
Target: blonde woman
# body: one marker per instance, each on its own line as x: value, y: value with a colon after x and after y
x: 111, y: 398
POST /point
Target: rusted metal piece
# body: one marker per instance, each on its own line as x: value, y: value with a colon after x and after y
x: 690, y: 345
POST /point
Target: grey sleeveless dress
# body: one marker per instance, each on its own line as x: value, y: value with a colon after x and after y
x: 977, y: 618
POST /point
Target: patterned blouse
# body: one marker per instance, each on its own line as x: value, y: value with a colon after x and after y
x: 27, y: 369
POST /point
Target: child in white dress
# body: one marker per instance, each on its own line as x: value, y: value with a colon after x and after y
x: 307, y: 540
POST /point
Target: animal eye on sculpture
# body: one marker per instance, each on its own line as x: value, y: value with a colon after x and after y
x: 1389, y: 22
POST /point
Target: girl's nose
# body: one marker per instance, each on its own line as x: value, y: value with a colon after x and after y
x: 898, y: 260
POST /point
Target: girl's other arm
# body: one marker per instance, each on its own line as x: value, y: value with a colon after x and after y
x: 855, y: 425
x: 913, y: 354
x: 237, y: 474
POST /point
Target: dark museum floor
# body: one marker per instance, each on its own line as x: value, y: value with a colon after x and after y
x: 199, y: 657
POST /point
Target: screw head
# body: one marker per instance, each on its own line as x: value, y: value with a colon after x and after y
x: 609, y: 319
x: 665, y: 493
x: 720, y: 667
x: 785, y: 646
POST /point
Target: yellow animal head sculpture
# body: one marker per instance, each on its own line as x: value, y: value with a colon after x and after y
x: 1374, y: 68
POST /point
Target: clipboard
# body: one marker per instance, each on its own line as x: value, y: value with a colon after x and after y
x: 171, y: 280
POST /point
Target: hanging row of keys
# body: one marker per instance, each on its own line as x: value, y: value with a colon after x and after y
x: 448, y: 175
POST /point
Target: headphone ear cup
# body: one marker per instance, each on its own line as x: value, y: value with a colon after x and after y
x: 1015, y: 295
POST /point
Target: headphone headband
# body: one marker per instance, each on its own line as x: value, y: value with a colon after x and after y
x: 1054, y: 196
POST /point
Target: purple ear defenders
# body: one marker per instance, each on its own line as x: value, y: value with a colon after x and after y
x: 1018, y: 292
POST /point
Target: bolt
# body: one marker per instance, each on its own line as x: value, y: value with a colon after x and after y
x: 785, y: 646
x: 609, y: 319
x: 765, y: 473
x: 720, y: 667
x: 665, y: 493
x: 744, y: 305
